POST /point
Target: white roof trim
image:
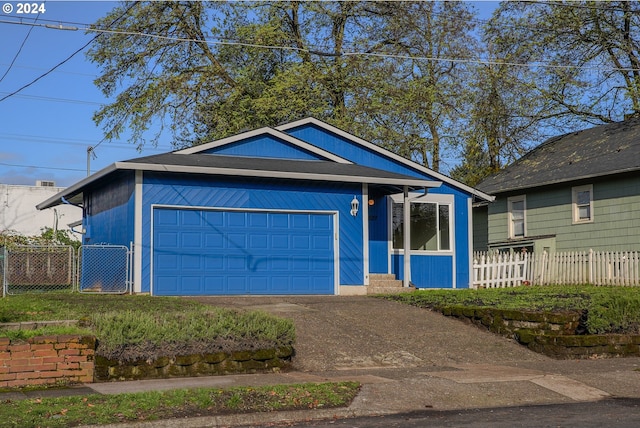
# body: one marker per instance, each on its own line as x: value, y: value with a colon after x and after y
x: 262, y: 131
x: 277, y: 174
x: 141, y: 166
x: 385, y: 152
x: 56, y: 199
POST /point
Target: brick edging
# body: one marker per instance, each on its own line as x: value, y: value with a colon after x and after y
x: 46, y: 360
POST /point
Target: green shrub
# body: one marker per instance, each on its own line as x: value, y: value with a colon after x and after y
x: 142, y: 327
x: 615, y: 312
x: 129, y: 335
x: 24, y: 334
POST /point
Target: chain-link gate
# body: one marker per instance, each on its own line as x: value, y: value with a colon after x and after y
x: 104, y: 269
x: 31, y: 269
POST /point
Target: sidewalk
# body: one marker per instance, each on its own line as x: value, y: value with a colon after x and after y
x: 391, y: 390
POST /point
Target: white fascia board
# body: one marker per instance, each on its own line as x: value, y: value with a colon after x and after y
x: 278, y: 174
x: 268, y: 131
x: 57, y: 198
x: 386, y: 153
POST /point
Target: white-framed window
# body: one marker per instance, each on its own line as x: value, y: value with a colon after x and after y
x: 431, y: 223
x: 582, y: 203
x: 517, y: 216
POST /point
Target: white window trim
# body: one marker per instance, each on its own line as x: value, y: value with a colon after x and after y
x: 574, y: 204
x: 510, y: 201
x: 430, y: 198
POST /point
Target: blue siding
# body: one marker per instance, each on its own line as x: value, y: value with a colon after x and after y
x: 351, y: 150
x: 378, y: 236
x: 462, y: 243
x: 379, y: 250
x: 426, y: 271
x: 264, y: 146
x: 201, y: 191
x: 109, y: 212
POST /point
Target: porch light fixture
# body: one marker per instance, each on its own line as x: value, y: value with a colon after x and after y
x: 354, y: 206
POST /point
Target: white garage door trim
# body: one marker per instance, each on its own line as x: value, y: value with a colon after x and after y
x: 334, y: 215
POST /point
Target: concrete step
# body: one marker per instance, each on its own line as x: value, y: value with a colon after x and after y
x: 380, y: 283
x: 389, y: 290
x: 376, y: 276
x: 385, y: 283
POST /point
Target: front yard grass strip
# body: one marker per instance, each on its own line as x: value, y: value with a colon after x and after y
x: 611, y: 309
x: 159, y: 405
x: 145, y: 327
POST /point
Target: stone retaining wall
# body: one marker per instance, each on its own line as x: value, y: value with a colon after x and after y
x: 581, y: 346
x: 44, y: 360
x: 72, y: 359
x: 220, y: 363
x: 555, y: 334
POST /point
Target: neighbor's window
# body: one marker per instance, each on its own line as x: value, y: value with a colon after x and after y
x: 430, y: 226
x: 582, y: 197
x: 517, y: 207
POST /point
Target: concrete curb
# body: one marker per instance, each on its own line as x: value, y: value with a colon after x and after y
x: 246, y: 419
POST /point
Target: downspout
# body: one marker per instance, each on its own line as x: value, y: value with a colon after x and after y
x: 406, y: 218
x: 72, y: 228
x: 365, y: 234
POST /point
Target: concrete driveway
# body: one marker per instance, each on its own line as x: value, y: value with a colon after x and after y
x: 358, y: 332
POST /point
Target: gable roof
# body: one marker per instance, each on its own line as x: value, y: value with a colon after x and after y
x: 239, y: 166
x: 384, y: 152
x: 265, y: 131
x: 596, y: 152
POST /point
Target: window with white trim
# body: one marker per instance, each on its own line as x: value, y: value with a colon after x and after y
x: 517, y: 216
x: 430, y: 226
x: 582, y: 203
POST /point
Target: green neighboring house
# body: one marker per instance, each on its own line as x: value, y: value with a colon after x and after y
x: 574, y: 192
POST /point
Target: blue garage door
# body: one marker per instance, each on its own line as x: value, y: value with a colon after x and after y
x: 207, y: 252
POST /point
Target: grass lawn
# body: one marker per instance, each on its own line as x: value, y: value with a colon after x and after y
x: 138, y: 321
x: 158, y: 405
x: 610, y: 309
x: 125, y: 323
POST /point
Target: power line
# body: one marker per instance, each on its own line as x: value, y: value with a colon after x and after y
x: 57, y: 71
x: 480, y: 61
x: 58, y: 100
x: 40, y: 167
x: 24, y: 41
x: 70, y: 141
x: 50, y: 70
x: 66, y: 59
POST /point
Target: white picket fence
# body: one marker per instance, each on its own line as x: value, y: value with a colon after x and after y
x: 498, y: 270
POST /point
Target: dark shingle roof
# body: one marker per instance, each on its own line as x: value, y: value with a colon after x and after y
x: 239, y: 166
x: 595, y: 152
x: 276, y: 167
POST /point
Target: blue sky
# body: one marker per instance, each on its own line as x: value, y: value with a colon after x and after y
x: 46, y: 129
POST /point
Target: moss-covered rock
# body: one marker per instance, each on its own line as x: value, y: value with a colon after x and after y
x: 215, y: 358
x: 264, y: 354
x: 525, y: 336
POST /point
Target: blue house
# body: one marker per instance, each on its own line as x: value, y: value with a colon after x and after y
x: 303, y: 208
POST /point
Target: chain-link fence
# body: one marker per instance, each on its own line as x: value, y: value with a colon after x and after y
x: 29, y: 269
x: 39, y: 269
x: 104, y: 269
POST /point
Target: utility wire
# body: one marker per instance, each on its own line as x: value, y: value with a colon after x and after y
x: 58, y: 100
x: 66, y: 59
x: 40, y: 167
x: 49, y: 71
x: 13, y: 61
x: 328, y: 54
